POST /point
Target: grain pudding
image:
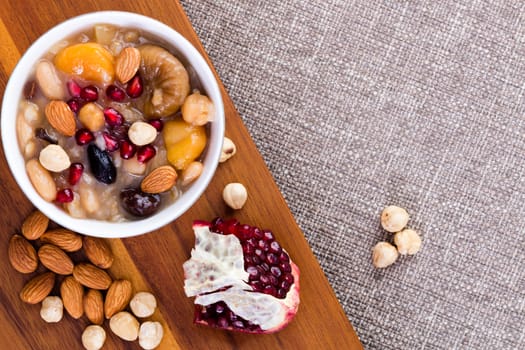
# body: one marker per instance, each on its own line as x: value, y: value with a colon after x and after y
x: 112, y: 125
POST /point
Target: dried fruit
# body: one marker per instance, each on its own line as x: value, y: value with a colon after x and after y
x: 168, y: 78
x: 139, y: 203
x: 52, y: 309
x: 54, y: 158
x: 98, y: 252
x: 61, y: 117
x: 91, y: 276
x: 124, y: 325
x: 55, y: 259
x: 41, y: 180
x: 143, y: 304
x: 101, y: 165
x: 22, y: 255
x: 65, y: 239
x: 42, y: 134
x: 34, y: 225
x: 184, y: 142
x: 159, y: 180
x: 117, y: 297
x: 89, y: 61
x: 94, y: 306
x: 127, y: 64
x: 241, y: 277
x: 38, y: 288
x: 72, y: 294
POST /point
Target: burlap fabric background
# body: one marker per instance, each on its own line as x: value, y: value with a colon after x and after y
x: 359, y: 104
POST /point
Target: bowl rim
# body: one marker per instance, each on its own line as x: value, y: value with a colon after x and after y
x: 16, y: 161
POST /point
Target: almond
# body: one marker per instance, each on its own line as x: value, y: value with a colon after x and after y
x: 72, y: 294
x: 38, y: 288
x: 98, y: 252
x: 117, y: 297
x: 55, y: 259
x: 94, y: 306
x: 34, y: 225
x: 91, y: 276
x: 127, y: 64
x: 159, y: 180
x: 65, y: 239
x: 22, y: 255
x: 61, y: 117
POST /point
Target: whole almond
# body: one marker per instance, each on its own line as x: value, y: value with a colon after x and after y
x: 94, y: 306
x: 61, y: 117
x: 159, y: 180
x: 127, y: 64
x: 72, y: 294
x: 98, y: 252
x: 117, y: 297
x: 91, y: 276
x: 22, y: 255
x: 34, y: 225
x: 38, y: 288
x: 65, y: 239
x: 55, y: 259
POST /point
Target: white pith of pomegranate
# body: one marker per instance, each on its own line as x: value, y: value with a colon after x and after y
x: 241, y: 277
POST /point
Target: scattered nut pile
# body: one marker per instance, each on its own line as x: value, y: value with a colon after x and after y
x: 85, y: 287
x: 406, y: 241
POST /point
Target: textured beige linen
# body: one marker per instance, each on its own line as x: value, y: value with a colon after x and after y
x: 355, y: 105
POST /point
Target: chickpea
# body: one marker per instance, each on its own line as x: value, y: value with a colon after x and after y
x: 197, y: 109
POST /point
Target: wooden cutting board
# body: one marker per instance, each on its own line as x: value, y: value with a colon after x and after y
x: 154, y: 261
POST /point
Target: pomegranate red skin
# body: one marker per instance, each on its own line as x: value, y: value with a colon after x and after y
x: 252, y: 328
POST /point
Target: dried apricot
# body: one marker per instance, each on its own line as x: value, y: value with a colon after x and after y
x: 184, y: 142
x: 90, y: 61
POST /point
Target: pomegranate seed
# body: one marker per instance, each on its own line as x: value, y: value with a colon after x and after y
x: 268, y: 235
x: 276, y: 271
x: 115, y: 93
x: 269, y: 289
x: 111, y: 142
x: 75, y: 172
x: 157, y: 124
x: 89, y: 93
x: 84, y: 136
x: 113, y: 117
x: 64, y: 196
x: 135, y: 87
x: 75, y: 104
x: 275, y: 247
x: 73, y: 88
x: 281, y: 293
x: 288, y: 278
x: 272, y: 259
x: 127, y: 149
x: 145, y: 153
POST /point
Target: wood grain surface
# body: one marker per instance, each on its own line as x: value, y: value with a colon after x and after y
x: 153, y: 262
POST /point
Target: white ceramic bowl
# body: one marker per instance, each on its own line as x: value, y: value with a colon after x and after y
x: 13, y: 94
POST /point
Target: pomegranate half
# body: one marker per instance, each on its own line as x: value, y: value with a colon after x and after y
x: 243, y: 280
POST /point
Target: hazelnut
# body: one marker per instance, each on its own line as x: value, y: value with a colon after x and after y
x: 124, y: 325
x: 52, y: 309
x: 384, y: 254
x: 394, y: 219
x: 150, y: 335
x: 143, y: 304
x: 228, y: 150
x: 407, y: 242
x: 235, y: 195
x: 142, y: 133
x: 93, y: 337
x: 54, y: 158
